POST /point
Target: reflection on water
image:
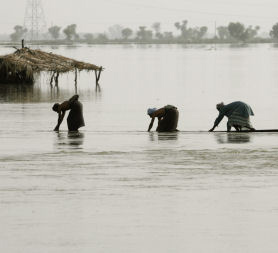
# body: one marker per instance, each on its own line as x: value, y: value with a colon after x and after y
x: 22, y: 93
x: 233, y: 138
x: 72, y: 139
x: 240, y: 45
x: 167, y: 136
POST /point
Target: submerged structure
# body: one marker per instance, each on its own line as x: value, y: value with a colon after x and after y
x: 24, y: 63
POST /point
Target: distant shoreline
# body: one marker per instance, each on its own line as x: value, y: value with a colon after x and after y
x: 115, y: 42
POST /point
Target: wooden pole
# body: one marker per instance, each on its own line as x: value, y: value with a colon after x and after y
x: 75, y: 81
x: 51, y: 79
x: 96, y: 78
x: 22, y: 43
x: 75, y: 78
x: 56, y: 79
x: 99, y: 72
x: 97, y: 75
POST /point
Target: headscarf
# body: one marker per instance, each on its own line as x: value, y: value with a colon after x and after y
x: 219, y: 106
x: 150, y: 111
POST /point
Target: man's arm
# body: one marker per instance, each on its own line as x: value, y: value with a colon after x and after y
x: 60, y: 120
x: 217, y: 121
x: 151, y: 124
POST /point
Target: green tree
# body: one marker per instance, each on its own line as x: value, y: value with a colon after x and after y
x: 89, y: 37
x: 143, y: 34
x: 223, y: 32
x: 182, y: 27
x: 70, y: 32
x: 252, y: 32
x: 274, y: 32
x: 126, y: 33
x: 54, y: 31
x: 168, y: 37
x: 237, y: 30
x: 240, y: 33
x: 115, y: 32
x: 102, y: 38
x: 18, y: 34
x: 157, y: 28
x: 189, y: 33
x: 199, y: 32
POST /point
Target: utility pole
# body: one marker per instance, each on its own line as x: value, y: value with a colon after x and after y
x: 34, y: 20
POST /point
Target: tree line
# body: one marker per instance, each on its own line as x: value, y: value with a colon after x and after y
x: 233, y: 32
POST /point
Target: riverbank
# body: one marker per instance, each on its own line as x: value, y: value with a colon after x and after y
x: 127, y: 42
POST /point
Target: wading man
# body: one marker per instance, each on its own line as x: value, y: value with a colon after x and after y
x: 75, y: 118
x: 167, y: 116
x: 238, y: 114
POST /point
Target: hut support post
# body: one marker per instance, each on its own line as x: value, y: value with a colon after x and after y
x: 96, y: 78
x: 75, y: 81
x: 75, y: 77
x: 52, y: 77
x: 97, y: 74
x: 57, y: 79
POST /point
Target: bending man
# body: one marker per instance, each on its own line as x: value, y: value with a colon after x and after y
x: 167, y: 116
x: 238, y: 114
x: 75, y: 118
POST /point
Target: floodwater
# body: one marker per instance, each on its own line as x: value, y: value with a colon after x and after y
x: 113, y: 187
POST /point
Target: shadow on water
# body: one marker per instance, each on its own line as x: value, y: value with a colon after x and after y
x: 23, y: 93
x: 167, y: 136
x: 233, y: 138
x: 17, y: 92
x: 73, y: 140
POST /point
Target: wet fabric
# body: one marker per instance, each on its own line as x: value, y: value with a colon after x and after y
x: 237, y: 120
x: 238, y: 108
x: 75, y: 119
x: 169, y: 121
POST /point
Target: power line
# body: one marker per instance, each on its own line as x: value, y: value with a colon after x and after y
x: 193, y: 11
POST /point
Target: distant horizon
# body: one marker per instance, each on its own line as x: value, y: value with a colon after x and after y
x: 262, y: 33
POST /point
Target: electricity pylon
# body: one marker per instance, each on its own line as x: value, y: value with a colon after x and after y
x: 34, y: 20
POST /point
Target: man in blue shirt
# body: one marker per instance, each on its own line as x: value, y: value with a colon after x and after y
x: 238, y: 114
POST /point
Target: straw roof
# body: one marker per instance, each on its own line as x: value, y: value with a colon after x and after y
x: 33, y: 61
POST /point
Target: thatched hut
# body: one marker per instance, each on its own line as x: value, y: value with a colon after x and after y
x: 20, y: 66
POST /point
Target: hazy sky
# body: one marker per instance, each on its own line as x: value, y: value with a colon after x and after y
x: 97, y: 16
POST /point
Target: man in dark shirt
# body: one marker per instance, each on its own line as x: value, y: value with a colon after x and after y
x: 75, y: 118
x: 167, y: 116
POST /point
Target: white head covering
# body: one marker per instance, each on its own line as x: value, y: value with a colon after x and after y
x: 151, y: 111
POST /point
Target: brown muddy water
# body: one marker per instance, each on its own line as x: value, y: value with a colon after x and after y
x: 113, y: 187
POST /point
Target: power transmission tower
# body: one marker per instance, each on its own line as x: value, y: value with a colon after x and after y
x: 34, y: 20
